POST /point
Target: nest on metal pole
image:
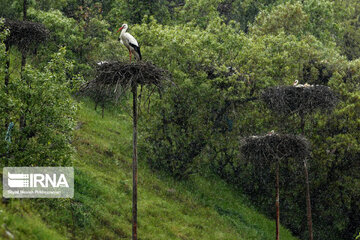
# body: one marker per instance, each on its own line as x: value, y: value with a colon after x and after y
x: 287, y: 100
x: 25, y: 34
x: 265, y: 149
x: 113, y: 79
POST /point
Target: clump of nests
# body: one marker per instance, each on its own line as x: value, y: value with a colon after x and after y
x: 273, y: 147
x: 25, y: 34
x: 287, y: 100
x: 113, y: 79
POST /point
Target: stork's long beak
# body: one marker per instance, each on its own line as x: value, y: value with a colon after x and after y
x: 120, y: 29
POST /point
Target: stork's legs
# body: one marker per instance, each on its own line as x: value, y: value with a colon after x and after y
x: 130, y: 55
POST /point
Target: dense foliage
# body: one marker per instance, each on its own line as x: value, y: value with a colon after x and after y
x: 219, y: 80
x: 221, y: 54
x: 42, y: 101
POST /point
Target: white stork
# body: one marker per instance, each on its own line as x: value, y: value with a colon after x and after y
x: 296, y: 84
x: 272, y: 132
x: 130, y: 42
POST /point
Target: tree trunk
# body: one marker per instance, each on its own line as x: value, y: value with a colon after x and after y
x: 302, y: 123
x: 7, y: 66
x: 102, y: 109
x: 7, y: 76
x: 277, y: 203
x: 24, y: 10
x: 134, y: 223
x: 23, y: 61
x: 23, y: 116
x: 308, y: 202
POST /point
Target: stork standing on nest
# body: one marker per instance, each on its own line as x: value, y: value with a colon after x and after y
x: 130, y: 42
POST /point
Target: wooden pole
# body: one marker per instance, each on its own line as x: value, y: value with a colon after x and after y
x: 135, y: 174
x: 277, y: 203
x: 308, y: 202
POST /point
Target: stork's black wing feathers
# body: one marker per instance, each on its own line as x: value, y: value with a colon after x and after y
x: 136, y: 48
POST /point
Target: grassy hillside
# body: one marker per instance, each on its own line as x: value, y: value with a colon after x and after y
x: 199, y: 208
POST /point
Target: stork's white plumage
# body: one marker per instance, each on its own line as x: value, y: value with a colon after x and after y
x: 102, y: 63
x: 271, y: 132
x: 130, y: 42
x: 296, y: 84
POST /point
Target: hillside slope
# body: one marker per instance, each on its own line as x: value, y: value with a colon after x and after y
x: 199, y: 208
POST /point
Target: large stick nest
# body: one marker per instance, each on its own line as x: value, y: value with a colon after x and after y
x: 288, y: 100
x: 25, y: 34
x: 113, y: 79
x: 273, y: 147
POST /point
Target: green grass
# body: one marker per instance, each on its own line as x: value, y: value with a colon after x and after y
x: 203, y: 207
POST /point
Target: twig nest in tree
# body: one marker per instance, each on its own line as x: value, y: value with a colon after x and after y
x: 114, y: 78
x: 272, y: 147
x: 25, y: 34
x: 288, y: 100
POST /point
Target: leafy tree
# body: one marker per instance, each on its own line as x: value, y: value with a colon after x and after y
x: 133, y: 11
x: 322, y: 22
x: 83, y: 39
x: 289, y: 18
x: 50, y: 112
x: 310, y: 17
x: 47, y: 5
x: 243, y: 12
x: 3, y: 35
x: 11, y: 9
x: 347, y: 17
x: 337, y: 153
x: 194, y: 12
x: 235, y: 67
